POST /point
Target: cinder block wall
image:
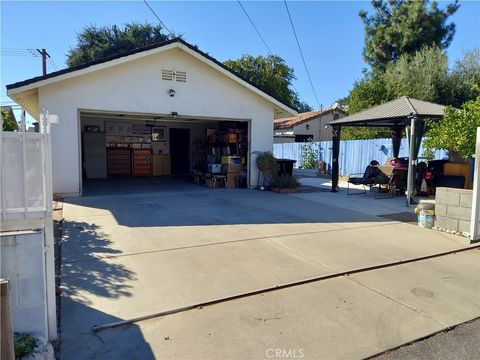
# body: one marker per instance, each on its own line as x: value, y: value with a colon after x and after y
x: 453, y: 209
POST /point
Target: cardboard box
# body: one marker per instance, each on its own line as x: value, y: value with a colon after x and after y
x: 235, y: 168
x: 230, y: 138
x: 232, y: 180
x: 233, y: 160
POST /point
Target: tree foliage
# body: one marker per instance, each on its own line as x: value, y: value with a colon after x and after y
x: 271, y: 74
x: 457, y: 130
x: 400, y: 27
x: 95, y: 43
x: 9, y: 123
x: 424, y: 76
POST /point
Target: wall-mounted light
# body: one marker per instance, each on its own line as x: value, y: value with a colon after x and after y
x: 174, y: 114
x: 308, y: 126
x: 171, y: 92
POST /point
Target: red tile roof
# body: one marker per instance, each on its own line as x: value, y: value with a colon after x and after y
x: 287, y: 123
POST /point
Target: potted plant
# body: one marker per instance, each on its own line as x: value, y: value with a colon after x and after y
x: 285, y: 184
x: 268, y: 166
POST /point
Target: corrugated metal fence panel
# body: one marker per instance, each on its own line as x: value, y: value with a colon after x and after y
x: 355, y: 155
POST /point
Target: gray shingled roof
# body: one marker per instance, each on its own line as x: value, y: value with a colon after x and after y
x: 395, y: 112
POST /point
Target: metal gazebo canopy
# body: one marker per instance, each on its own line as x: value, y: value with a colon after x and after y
x: 404, y: 112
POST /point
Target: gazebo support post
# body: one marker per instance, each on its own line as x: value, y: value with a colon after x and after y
x: 412, y: 162
x: 396, y: 140
x: 336, y: 131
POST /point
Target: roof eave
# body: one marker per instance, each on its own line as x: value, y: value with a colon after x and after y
x: 61, y: 75
x: 380, y: 120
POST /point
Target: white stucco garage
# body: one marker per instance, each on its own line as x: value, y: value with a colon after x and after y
x: 167, y: 86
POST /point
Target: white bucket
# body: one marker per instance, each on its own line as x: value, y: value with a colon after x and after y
x: 425, y: 220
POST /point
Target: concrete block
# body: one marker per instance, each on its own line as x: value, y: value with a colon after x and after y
x: 440, y: 209
x: 466, y: 199
x: 445, y: 222
x: 458, y: 212
x: 453, y: 198
x: 463, y: 226
x: 441, y: 196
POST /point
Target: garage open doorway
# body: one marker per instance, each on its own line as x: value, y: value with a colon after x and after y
x: 179, y: 151
x: 143, y: 153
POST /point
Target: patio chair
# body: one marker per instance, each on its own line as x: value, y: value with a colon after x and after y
x: 385, y: 182
x: 368, y: 179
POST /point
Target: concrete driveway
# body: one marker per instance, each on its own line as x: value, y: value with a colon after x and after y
x: 125, y: 256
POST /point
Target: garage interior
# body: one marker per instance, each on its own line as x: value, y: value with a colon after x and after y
x: 135, y: 151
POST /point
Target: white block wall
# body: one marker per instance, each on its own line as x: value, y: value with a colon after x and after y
x: 23, y: 264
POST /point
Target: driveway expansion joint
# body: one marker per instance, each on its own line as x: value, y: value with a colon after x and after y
x: 396, y: 300
x: 284, y: 286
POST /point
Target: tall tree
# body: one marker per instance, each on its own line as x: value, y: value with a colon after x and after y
x: 400, y: 27
x: 272, y: 75
x: 8, y: 120
x: 94, y: 43
x: 424, y: 76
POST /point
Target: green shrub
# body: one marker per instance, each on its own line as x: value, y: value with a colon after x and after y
x: 310, y: 156
x: 267, y: 163
x: 25, y: 345
x: 285, y: 182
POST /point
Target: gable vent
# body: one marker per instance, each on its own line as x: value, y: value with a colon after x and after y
x: 181, y: 76
x: 167, y: 75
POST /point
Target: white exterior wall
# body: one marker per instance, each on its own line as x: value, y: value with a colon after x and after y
x: 316, y: 127
x: 137, y: 87
x: 23, y: 264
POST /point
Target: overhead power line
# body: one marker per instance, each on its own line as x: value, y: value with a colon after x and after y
x: 301, y: 53
x: 264, y: 42
x: 52, y: 63
x: 29, y: 53
x: 256, y: 29
x: 19, y: 52
x: 161, y: 22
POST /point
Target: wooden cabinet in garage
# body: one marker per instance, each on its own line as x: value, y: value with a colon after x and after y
x: 142, y: 162
x: 118, y: 162
x: 161, y: 165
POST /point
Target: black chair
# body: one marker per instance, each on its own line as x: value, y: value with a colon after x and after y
x: 369, y: 178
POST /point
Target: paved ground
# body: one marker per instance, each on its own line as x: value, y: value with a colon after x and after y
x: 460, y: 343
x: 130, y: 255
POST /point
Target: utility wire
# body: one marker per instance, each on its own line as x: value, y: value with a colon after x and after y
x: 52, y: 63
x: 301, y: 53
x: 161, y: 22
x: 28, y: 53
x: 257, y: 31
x: 265, y: 43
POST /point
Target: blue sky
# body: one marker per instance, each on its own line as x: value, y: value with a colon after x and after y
x: 330, y: 33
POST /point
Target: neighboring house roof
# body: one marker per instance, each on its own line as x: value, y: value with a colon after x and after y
x: 288, y: 123
x: 395, y: 112
x: 39, y: 81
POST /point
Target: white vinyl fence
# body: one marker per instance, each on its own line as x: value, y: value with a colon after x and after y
x: 355, y: 155
x: 26, y: 228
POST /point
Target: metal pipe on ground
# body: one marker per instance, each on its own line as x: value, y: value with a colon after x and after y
x: 97, y: 328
